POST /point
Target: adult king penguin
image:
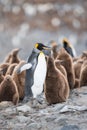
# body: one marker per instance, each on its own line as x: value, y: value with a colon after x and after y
x: 36, y: 69
x: 68, y: 47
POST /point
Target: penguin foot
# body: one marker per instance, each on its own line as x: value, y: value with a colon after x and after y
x: 26, y: 99
x: 39, y: 101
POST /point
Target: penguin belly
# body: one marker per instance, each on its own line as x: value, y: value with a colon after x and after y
x: 39, y: 77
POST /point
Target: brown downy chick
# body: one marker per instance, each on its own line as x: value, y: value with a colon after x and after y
x: 14, y: 56
x: 7, y: 58
x: 55, y: 48
x: 56, y: 86
x: 1, y: 77
x: 83, y: 74
x: 61, y: 67
x: 8, y: 90
x: 77, y: 68
x: 11, y: 69
x: 4, y: 67
x: 19, y: 79
x: 83, y: 55
x: 68, y: 64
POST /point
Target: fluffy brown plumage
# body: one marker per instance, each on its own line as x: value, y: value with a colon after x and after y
x: 68, y: 64
x: 77, y: 68
x: 83, y: 75
x: 11, y: 69
x: 56, y: 86
x: 4, y: 67
x: 14, y: 56
x: 8, y: 90
x: 7, y: 58
x: 1, y: 77
x: 61, y: 67
x: 77, y: 83
x: 19, y: 79
x: 54, y: 47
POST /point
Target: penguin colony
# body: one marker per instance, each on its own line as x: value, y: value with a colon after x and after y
x: 52, y: 69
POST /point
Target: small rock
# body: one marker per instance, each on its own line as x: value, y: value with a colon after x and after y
x: 70, y: 127
x: 5, y: 104
x: 22, y: 119
x: 61, y: 122
x: 24, y: 108
x: 33, y: 126
x: 11, y: 111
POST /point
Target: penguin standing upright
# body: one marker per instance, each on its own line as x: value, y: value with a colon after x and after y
x: 68, y: 47
x: 35, y: 71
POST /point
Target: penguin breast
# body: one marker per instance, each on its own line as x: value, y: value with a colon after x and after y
x: 39, y: 76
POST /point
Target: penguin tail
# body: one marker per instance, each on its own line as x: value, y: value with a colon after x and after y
x: 24, y: 67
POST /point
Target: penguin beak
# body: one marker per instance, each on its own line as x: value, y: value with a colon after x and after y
x: 24, y: 67
x: 47, y: 48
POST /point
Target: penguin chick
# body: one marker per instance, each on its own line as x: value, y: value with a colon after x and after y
x: 14, y: 56
x: 83, y: 55
x: 61, y: 67
x: 54, y: 47
x: 8, y: 90
x: 56, y: 86
x: 4, y: 67
x: 1, y: 77
x: 77, y: 68
x: 7, y: 58
x: 19, y: 79
x: 68, y: 64
x: 11, y: 68
x: 83, y: 76
x: 68, y: 47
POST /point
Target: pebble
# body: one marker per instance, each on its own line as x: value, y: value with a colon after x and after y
x: 33, y: 126
x: 22, y: 119
x: 70, y: 127
x: 24, y: 108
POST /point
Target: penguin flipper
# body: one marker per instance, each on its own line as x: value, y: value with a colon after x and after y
x: 24, y: 67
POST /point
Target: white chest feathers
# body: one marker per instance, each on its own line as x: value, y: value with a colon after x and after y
x: 39, y: 75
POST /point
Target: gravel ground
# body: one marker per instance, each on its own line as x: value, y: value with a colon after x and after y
x: 70, y: 115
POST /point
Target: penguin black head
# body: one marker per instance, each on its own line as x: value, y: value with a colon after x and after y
x: 68, y: 47
x: 66, y: 43
x: 41, y: 47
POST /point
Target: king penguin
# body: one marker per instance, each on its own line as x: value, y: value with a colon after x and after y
x: 36, y: 68
x: 68, y: 47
